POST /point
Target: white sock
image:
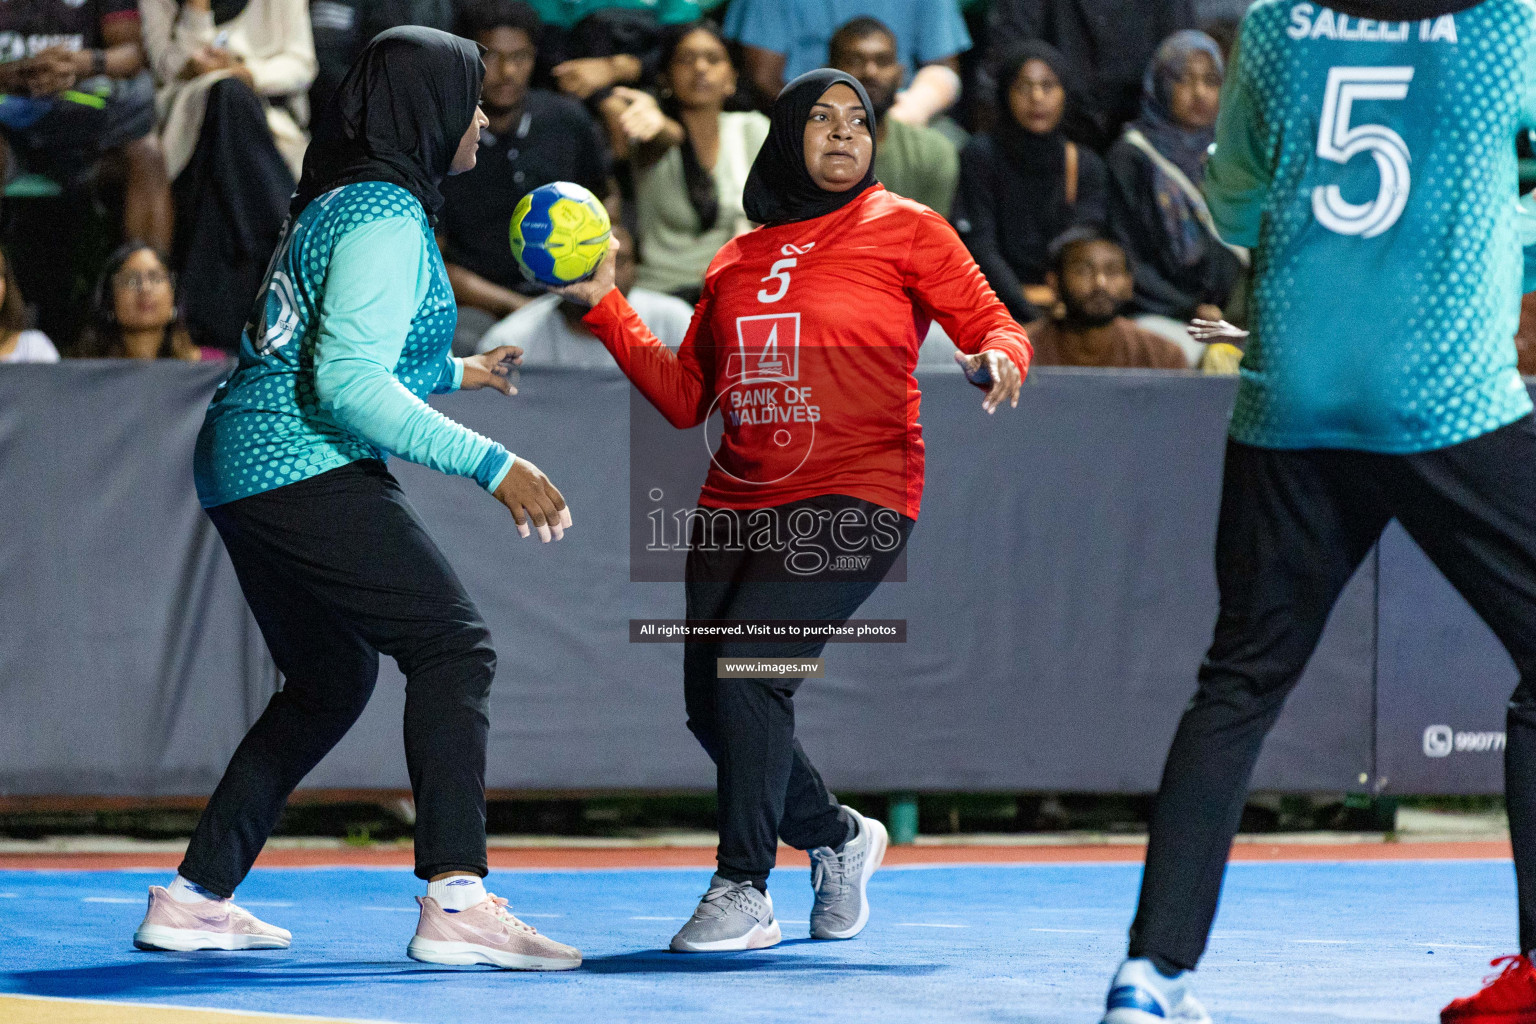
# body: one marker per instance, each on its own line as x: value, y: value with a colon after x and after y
x: 183, y: 891
x: 457, y: 893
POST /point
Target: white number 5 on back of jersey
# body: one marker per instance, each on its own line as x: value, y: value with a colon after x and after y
x: 1340, y: 142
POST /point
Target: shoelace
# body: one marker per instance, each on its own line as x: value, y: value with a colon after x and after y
x: 829, y: 866
x: 732, y: 894
x: 846, y: 865
x: 504, y: 913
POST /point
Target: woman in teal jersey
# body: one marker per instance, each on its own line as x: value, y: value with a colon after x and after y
x: 350, y: 334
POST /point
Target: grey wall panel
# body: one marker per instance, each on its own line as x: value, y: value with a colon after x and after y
x: 1059, y: 599
x: 128, y: 661
x: 1443, y: 683
x: 1059, y: 596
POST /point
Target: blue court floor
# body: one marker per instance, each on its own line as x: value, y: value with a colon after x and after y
x: 1295, y: 943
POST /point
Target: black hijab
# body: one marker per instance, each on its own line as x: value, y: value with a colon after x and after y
x: 1041, y: 158
x: 227, y: 10
x: 397, y: 116
x: 780, y: 190
x: 1401, y: 10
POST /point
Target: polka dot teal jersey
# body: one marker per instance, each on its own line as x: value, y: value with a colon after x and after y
x: 1370, y: 165
x: 357, y: 331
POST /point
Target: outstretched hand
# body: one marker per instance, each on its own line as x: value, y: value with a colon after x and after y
x: 591, y: 291
x: 1215, y: 330
x: 997, y: 370
x: 531, y: 498
x: 492, y: 369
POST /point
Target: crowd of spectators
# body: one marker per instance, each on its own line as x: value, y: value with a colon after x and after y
x: 1064, y: 139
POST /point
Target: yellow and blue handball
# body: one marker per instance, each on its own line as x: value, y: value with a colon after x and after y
x: 560, y: 233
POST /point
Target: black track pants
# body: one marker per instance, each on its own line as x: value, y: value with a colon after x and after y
x: 1294, y: 527
x: 767, y: 787
x: 337, y: 569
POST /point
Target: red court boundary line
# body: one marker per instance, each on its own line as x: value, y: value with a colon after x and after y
x: 660, y: 857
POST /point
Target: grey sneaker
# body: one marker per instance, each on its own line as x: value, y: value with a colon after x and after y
x: 840, y: 880
x: 731, y: 916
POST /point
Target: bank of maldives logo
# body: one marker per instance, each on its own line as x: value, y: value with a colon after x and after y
x: 767, y: 349
x: 1443, y: 741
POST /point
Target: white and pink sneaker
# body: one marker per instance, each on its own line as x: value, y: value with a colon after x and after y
x: 211, y: 924
x: 486, y: 933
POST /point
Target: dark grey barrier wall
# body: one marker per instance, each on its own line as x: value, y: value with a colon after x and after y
x: 1059, y: 599
x: 128, y: 661
x: 1442, y: 683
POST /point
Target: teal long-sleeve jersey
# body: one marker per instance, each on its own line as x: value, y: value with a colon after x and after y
x: 1371, y: 167
x: 356, y: 332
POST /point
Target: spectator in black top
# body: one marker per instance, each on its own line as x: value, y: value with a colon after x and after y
x: 75, y: 90
x: 1106, y: 45
x: 535, y: 137
x: 343, y: 27
x: 1156, y: 210
x: 1023, y: 183
x: 609, y: 46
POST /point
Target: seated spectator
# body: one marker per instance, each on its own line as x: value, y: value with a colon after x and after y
x: 691, y: 159
x: 1086, y: 329
x: 1023, y: 183
x: 1106, y: 44
x: 783, y: 39
x: 1156, y: 210
x: 133, y: 313
x: 550, y: 331
x: 17, y: 344
x: 233, y: 76
x: 535, y: 137
x: 910, y: 160
x: 75, y: 90
x: 590, y: 46
x: 342, y: 28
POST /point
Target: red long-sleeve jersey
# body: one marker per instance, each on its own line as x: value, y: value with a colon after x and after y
x: 805, y: 339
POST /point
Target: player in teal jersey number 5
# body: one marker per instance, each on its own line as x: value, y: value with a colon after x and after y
x: 1365, y: 153
x: 350, y: 334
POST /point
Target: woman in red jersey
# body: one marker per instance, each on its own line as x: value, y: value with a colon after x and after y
x: 805, y: 338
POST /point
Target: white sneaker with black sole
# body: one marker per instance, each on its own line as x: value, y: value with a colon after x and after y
x: 732, y: 916
x: 841, y: 880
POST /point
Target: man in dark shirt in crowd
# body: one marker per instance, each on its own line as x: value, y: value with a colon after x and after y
x: 1093, y: 278
x: 910, y: 160
x: 75, y: 90
x: 1108, y: 45
x: 535, y: 137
